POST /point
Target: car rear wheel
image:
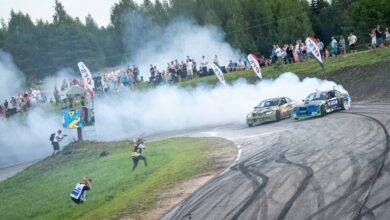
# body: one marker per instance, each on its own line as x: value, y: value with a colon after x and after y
x: 250, y: 125
x: 323, y: 111
x: 278, y: 115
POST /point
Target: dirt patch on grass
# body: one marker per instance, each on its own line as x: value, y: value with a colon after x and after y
x: 368, y: 84
x: 221, y: 152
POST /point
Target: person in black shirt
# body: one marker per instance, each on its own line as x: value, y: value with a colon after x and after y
x: 378, y: 33
x: 136, y: 153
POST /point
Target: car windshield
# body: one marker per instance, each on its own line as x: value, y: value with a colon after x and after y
x: 317, y: 96
x: 268, y: 103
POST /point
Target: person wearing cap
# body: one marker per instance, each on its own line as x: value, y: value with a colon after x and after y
x: 56, y: 142
x: 79, y: 193
x: 137, y: 151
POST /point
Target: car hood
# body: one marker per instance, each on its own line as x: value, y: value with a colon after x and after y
x: 263, y: 110
x: 314, y: 102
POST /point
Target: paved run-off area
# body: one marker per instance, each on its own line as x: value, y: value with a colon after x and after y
x: 335, y: 167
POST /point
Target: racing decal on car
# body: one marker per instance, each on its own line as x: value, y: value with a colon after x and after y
x: 332, y: 102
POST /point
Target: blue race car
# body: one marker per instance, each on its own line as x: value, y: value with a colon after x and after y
x: 321, y: 103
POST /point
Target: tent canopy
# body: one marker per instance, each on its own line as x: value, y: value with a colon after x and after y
x: 74, y: 90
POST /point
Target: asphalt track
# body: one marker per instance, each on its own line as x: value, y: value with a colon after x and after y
x: 334, y: 167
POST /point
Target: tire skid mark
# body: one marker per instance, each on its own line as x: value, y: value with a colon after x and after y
x: 194, y: 198
x: 259, y: 187
x: 301, y: 188
x: 379, y: 171
x: 367, y: 183
x: 352, y: 184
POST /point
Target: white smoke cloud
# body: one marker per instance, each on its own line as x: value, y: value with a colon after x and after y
x: 170, y: 108
x: 26, y: 138
x: 160, y: 109
x: 153, y: 44
x: 11, y: 79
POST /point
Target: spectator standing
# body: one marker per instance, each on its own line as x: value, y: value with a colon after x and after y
x: 378, y: 34
x: 342, y: 45
x: 373, y: 39
x: 231, y: 66
x: 240, y: 65
x: 284, y: 54
x: 290, y: 55
x: 55, y: 141
x: 333, y: 45
x: 302, y: 47
x: 216, y: 61
x: 274, y: 55
x: 278, y: 52
x: 321, y: 46
x: 190, y: 71
x: 387, y: 37
x: 352, y: 40
x: 203, y: 65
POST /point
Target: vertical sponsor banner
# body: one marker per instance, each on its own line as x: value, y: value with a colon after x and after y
x: 312, y: 45
x: 255, y: 65
x: 218, y: 72
x: 87, y: 76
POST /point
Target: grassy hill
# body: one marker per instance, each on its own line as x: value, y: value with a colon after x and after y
x: 42, y: 190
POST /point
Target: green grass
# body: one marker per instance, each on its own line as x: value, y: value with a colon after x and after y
x: 42, y: 190
x: 305, y: 69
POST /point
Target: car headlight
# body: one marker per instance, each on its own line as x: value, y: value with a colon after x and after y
x: 268, y: 113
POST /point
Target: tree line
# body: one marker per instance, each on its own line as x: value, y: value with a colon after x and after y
x: 40, y: 48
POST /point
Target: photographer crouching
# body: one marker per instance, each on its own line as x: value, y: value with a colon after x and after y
x: 79, y: 193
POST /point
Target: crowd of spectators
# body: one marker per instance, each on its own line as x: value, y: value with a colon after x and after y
x: 379, y: 37
x: 175, y: 71
x: 22, y: 102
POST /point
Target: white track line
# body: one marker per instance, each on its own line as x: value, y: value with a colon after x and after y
x: 257, y: 135
x: 234, y: 162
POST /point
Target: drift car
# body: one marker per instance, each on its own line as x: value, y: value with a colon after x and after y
x: 321, y: 103
x: 270, y: 110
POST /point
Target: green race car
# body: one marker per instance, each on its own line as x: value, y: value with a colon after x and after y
x: 271, y: 110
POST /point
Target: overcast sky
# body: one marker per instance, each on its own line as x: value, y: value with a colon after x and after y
x: 99, y: 9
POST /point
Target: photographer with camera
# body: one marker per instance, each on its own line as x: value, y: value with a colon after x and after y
x: 139, y: 145
x: 55, y: 139
x: 79, y: 193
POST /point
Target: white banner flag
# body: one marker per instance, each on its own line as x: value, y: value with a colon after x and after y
x: 87, y: 76
x: 312, y: 46
x: 255, y: 65
x: 219, y: 73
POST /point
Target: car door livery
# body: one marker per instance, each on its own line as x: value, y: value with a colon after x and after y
x: 332, y: 101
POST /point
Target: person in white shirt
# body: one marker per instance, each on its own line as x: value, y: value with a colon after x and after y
x: 240, y: 65
x: 190, y: 71
x: 352, y: 39
x: 278, y: 52
x: 216, y: 60
x: 203, y: 65
x: 58, y: 137
x: 79, y: 193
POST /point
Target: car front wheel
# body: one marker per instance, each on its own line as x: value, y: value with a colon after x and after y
x: 323, y: 111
